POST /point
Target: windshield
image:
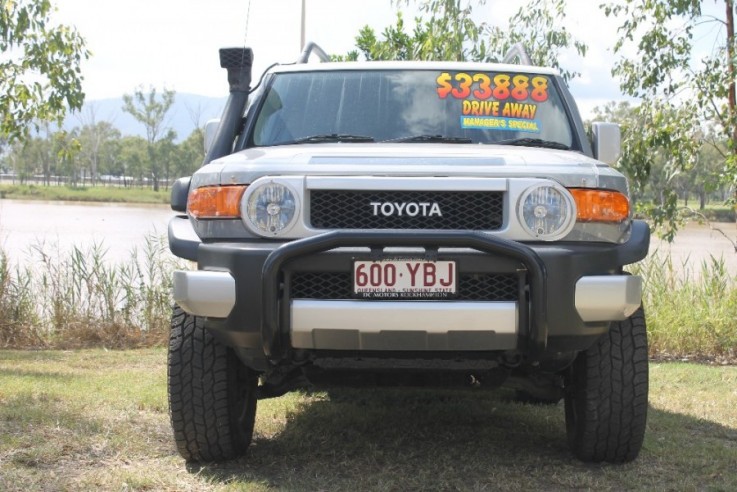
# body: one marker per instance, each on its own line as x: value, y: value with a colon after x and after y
x: 412, y: 106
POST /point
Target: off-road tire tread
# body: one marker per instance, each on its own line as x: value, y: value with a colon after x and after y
x: 610, y: 390
x: 204, y: 379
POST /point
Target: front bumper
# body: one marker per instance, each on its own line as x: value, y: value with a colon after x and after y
x: 568, y: 293
x: 423, y: 325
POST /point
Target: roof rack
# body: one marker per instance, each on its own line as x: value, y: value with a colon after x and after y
x: 517, y: 54
x: 307, y: 51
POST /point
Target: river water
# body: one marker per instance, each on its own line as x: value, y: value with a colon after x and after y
x: 59, y: 226
x: 699, y: 243
x: 120, y: 228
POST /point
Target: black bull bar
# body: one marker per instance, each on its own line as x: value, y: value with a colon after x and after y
x: 276, y: 337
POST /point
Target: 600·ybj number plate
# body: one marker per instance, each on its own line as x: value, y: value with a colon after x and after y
x: 404, y: 279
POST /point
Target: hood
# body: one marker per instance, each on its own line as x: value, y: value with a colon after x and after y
x: 571, y: 169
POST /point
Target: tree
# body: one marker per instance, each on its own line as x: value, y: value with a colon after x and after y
x: 21, y: 160
x: 150, y: 111
x: 97, y: 146
x: 50, y: 153
x: 40, y: 75
x: 98, y: 141
x: 703, y: 180
x: 396, y: 45
x: 700, y: 94
x: 539, y: 28
x: 706, y: 178
x: 133, y: 158
x: 660, y: 143
x: 34, y: 155
x: 448, y: 31
x: 66, y: 149
x: 166, y: 154
x: 41, y: 150
x: 191, y: 153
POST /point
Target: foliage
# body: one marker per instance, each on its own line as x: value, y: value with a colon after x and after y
x: 77, y: 299
x: 80, y: 300
x: 95, y: 154
x: 40, y: 75
x: 446, y: 30
x: 190, y: 153
x: 664, y: 136
x: 685, y: 101
x: 50, y: 153
x: 18, y: 319
x: 690, y: 307
x: 705, y: 180
x: 664, y: 158
x: 22, y: 158
x: 66, y: 148
x: 539, y: 28
x: 99, y: 146
x: 134, y: 157
x: 150, y: 111
x: 448, y: 33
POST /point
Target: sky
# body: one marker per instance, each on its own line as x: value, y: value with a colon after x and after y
x: 174, y: 43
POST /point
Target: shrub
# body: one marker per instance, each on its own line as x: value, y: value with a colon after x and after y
x: 80, y: 300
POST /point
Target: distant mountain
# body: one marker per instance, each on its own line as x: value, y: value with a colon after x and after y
x: 187, y: 110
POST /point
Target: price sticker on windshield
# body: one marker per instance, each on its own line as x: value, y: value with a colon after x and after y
x: 500, y: 102
x: 500, y: 86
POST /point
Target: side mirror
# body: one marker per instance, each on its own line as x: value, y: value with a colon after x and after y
x: 211, y: 128
x: 606, y: 141
x: 179, y: 193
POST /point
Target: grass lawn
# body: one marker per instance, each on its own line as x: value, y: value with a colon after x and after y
x: 96, y: 419
x: 84, y: 194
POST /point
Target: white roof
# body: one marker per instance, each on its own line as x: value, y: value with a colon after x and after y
x: 413, y: 65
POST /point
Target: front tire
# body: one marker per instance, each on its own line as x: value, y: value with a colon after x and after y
x: 212, y: 395
x: 606, y: 394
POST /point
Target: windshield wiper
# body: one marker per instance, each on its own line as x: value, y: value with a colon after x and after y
x: 334, y: 137
x: 533, y: 142
x: 429, y: 138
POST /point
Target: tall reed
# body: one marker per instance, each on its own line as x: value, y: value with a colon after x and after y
x: 81, y: 299
x: 19, y: 320
x: 691, y: 308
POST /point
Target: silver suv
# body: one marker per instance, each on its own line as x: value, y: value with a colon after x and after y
x: 417, y: 223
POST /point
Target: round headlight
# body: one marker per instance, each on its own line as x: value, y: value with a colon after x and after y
x: 547, y: 212
x: 271, y: 208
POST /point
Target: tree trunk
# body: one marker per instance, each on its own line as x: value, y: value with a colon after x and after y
x: 731, y: 99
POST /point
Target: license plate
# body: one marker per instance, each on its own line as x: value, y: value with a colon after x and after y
x: 404, y: 279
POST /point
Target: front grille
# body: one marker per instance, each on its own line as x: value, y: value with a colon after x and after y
x: 459, y: 210
x: 488, y: 287
x: 322, y: 285
x: 471, y: 286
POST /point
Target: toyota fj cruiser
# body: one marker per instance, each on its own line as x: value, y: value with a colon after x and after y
x: 416, y: 223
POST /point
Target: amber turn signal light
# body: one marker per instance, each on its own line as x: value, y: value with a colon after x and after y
x: 215, y: 202
x: 600, y: 205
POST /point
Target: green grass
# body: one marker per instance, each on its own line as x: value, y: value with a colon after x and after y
x: 690, y: 309
x: 84, y: 194
x: 95, y: 419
